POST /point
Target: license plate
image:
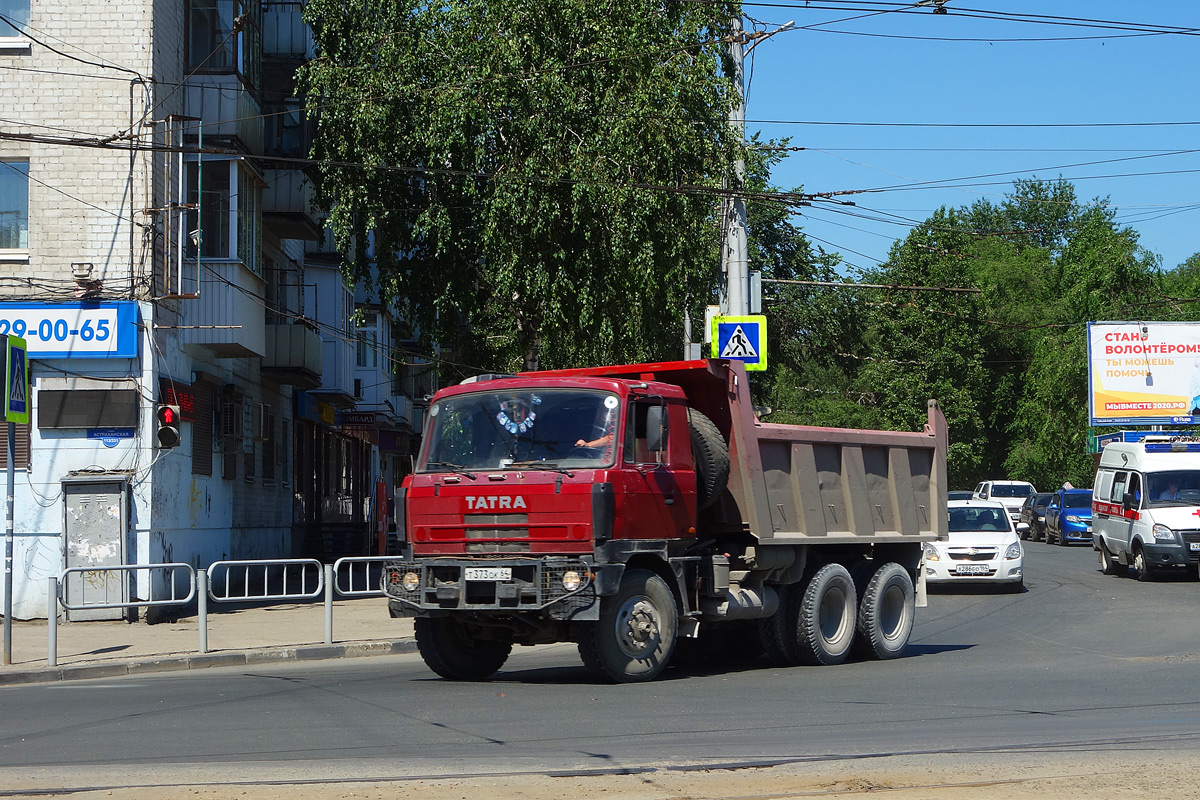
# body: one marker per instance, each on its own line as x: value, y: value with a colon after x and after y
x: 1193, y: 546
x: 972, y: 569
x: 488, y: 573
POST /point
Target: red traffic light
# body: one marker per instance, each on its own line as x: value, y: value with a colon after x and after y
x: 168, y: 426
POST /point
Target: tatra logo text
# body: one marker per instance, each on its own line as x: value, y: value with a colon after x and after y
x: 480, y: 503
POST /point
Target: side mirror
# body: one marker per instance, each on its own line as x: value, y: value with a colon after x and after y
x: 656, y: 429
x: 1129, y: 502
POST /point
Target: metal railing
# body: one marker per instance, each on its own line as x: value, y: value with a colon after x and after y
x: 273, y: 580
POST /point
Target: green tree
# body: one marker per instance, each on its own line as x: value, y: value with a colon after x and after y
x: 533, y: 182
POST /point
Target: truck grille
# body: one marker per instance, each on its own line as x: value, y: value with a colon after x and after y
x: 534, y: 583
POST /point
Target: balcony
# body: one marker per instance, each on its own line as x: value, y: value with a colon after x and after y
x: 293, y: 355
x: 226, y: 110
x: 284, y: 33
x: 227, y: 318
x: 287, y: 205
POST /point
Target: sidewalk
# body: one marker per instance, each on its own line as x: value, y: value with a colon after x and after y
x: 252, y: 635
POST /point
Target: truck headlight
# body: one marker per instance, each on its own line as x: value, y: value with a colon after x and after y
x: 411, y: 581
x: 1162, y: 533
x: 1013, y: 551
x: 571, y: 580
x: 931, y: 553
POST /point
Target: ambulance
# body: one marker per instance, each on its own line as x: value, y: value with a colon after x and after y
x: 1146, y: 507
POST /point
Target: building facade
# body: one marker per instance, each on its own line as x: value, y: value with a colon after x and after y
x: 157, y: 226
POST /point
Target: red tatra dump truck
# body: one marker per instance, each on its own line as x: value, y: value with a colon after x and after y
x: 626, y: 508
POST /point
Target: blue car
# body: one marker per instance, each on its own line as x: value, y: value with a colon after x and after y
x: 1069, y: 517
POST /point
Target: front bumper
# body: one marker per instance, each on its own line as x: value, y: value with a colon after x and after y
x: 518, y: 584
x: 1168, y: 555
x: 1077, y: 532
x: 997, y: 571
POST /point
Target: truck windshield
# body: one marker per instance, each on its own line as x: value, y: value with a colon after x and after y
x: 523, y: 429
x: 1175, y: 488
x: 1010, y: 490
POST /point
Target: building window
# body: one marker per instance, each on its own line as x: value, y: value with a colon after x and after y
x: 286, y: 133
x: 202, y: 429
x: 213, y: 46
x: 229, y: 223
x: 14, y: 17
x: 368, y: 340
x: 14, y: 203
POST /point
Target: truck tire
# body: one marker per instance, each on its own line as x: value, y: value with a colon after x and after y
x: 778, y: 631
x: 449, y: 649
x: 825, y: 617
x: 635, y: 636
x: 712, y: 458
x: 886, y: 610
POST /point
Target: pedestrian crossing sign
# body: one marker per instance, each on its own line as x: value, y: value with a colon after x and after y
x: 16, y: 381
x: 741, y: 339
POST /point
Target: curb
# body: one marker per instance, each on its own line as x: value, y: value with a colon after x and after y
x: 233, y: 658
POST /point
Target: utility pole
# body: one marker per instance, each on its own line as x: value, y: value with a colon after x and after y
x: 735, y: 251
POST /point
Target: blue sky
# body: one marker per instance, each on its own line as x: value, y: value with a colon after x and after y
x: 1056, y: 90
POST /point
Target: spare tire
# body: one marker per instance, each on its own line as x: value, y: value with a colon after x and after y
x: 712, y: 458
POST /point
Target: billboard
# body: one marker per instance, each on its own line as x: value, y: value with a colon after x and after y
x: 1144, y: 373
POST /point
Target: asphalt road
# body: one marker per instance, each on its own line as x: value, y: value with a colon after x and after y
x: 1078, y: 663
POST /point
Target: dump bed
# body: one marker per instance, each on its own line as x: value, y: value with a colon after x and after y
x: 796, y: 484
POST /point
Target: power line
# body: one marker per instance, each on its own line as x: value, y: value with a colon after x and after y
x: 25, y: 31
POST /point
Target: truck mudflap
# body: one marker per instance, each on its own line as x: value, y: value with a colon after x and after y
x: 559, y: 587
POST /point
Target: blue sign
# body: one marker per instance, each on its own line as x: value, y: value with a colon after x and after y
x: 73, y: 330
x: 16, y: 381
x: 741, y: 339
x: 110, y: 437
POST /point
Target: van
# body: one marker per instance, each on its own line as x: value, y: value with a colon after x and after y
x: 1146, y: 507
x: 1011, y: 493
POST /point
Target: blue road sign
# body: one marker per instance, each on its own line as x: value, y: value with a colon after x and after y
x: 16, y: 382
x: 741, y: 339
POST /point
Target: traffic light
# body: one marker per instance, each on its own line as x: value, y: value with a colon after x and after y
x: 168, y: 425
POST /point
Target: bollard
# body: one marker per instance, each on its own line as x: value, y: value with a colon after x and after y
x: 52, y: 621
x: 202, y: 607
x: 329, y: 578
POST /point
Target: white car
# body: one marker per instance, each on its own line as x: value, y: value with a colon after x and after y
x: 1011, y: 493
x: 982, y: 548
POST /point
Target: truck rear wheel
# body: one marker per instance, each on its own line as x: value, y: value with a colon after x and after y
x: 635, y: 636
x: 886, y: 612
x: 825, y: 617
x: 712, y: 458
x: 449, y: 649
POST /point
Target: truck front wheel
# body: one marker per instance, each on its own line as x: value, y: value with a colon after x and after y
x: 634, y: 638
x: 451, y: 650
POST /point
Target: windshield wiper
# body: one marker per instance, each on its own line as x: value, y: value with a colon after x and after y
x: 549, y: 466
x: 456, y: 468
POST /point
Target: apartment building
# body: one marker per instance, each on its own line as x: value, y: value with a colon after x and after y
x: 158, y: 246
